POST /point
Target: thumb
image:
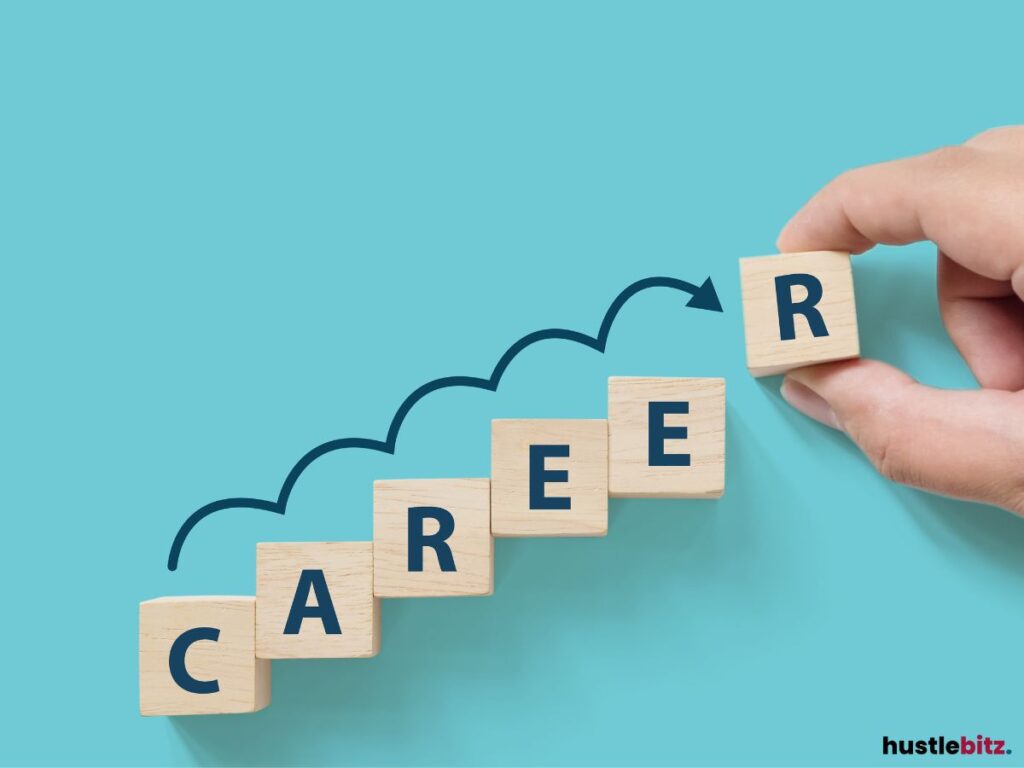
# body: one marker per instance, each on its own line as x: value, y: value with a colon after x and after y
x: 963, y: 443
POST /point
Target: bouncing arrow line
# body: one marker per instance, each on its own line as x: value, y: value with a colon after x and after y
x: 703, y: 296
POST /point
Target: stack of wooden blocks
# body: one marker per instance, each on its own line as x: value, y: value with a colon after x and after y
x: 663, y: 438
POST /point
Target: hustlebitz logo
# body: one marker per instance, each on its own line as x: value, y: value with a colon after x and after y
x: 942, y: 745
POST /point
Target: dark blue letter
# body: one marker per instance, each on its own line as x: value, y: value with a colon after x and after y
x: 539, y: 475
x: 658, y: 433
x: 418, y: 540
x: 789, y: 308
x: 176, y: 660
x: 312, y: 578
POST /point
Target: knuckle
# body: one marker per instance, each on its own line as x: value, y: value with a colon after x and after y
x: 1015, y: 497
x: 885, y: 447
x: 951, y: 157
x: 1004, y: 135
x: 853, y: 188
x: 847, y: 180
x: 1016, y: 504
x: 884, y: 455
x: 1014, y: 489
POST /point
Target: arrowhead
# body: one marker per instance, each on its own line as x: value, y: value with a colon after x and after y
x: 706, y: 297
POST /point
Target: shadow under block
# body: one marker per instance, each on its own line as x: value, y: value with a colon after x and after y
x: 314, y: 600
x: 571, y: 455
x: 209, y: 645
x: 666, y: 438
x: 798, y: 309
x: 432, y: 538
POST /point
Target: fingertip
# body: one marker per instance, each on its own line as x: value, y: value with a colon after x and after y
x: 824, y: 222
x: 792, y: 237
x: 815, y: 228
x: 782, y: 241
x: 809, y: 403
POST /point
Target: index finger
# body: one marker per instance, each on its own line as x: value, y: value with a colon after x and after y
x: 956, y: 197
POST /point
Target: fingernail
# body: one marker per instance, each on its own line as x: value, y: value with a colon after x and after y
x: 808, y: 403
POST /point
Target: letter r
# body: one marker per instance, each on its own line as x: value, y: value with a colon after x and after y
x: 788, y: 309
x: 436, y: 541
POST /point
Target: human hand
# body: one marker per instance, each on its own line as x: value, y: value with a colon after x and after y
x: 969, y: 201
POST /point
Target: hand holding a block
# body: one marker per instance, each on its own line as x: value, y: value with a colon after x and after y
x: 798, y: 309
x: 967, y: 200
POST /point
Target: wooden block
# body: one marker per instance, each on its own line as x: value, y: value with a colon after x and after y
x: 314, y: 600
x: 432, y: 538
x: 197, y: 656
x: 549, y: 477
x: 666, y: 437
x: 798, y: 309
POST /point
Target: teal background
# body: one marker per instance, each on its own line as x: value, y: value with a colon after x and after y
x: 231, y: 231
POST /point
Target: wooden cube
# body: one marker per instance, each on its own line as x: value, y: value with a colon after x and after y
x: 197, y: 656
x: 666, y: 437
x: 798, y: 309
x: 432, y: 538
x: 314, y: 600
x: 549, y: 477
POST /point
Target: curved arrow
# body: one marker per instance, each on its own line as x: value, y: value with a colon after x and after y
x: 703, y: 297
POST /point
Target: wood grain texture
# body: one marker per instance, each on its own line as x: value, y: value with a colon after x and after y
x: 244, y: 680
x: 469, y: 502
x: 348, y: 572
x: 629, y: 471
x: 767, y: 353
x: 586, y: 488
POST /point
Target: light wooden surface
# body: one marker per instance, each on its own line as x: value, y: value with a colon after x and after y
x: 767, y: 353
x: 244, y: 680
x: 469, y: 502
x: 630, y: 473
x: 348, y: 572
x: 586, y: 487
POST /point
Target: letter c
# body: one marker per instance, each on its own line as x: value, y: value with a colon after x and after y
x: 176, y: 660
